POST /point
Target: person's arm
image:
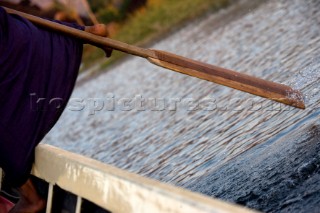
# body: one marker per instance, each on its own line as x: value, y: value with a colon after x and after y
x: 100, y: 30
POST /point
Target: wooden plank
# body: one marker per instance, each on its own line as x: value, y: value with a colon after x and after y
x: 117, y: 190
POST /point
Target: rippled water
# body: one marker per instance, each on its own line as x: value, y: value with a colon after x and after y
x: 277, y: 41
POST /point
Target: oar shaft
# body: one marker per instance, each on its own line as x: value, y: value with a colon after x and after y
x: 239, y: 81
x: 85, y: 36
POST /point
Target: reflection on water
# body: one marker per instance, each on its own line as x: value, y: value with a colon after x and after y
x: 277, y: 41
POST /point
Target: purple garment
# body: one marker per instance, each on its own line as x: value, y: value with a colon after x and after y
x: 38, y: 70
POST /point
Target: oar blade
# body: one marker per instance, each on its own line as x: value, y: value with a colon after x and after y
x: 267, y: 89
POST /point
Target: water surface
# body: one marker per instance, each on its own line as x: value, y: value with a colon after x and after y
x: 277, y: 41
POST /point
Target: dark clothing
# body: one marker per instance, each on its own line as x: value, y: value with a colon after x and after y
x: 38, y: 69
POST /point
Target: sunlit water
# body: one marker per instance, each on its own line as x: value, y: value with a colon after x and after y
x: 278, y: 41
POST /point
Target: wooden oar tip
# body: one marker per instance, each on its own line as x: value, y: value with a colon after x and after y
x: 296, y: 98
x: 300, y: 105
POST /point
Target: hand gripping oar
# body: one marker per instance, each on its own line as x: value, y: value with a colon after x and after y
x: 267, y: 89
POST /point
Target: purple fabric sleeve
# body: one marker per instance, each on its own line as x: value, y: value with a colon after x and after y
x: 38, y: 70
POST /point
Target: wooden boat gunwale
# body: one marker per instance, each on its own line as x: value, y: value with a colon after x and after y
x: 117, y: 190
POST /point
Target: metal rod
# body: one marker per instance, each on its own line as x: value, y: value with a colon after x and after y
x: 50, y: 197
x: 79, y: 203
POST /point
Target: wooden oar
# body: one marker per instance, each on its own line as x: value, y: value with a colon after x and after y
x: 267, y: 89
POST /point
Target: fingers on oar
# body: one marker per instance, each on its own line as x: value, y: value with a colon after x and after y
x: 100, y: 30
x: 107, y: 50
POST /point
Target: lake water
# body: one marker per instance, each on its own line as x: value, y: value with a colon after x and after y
x: 196, y: 126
